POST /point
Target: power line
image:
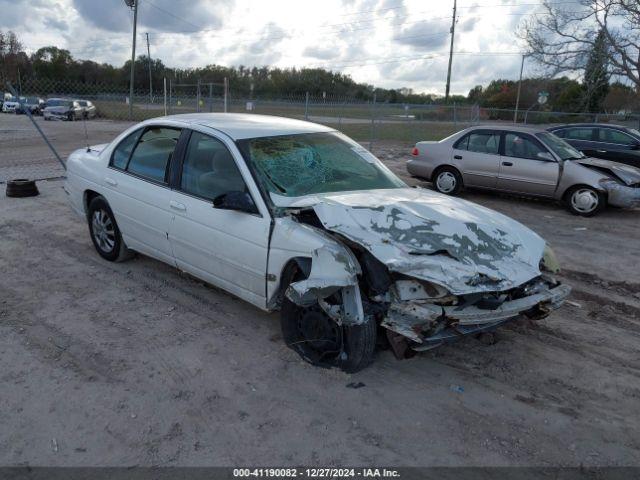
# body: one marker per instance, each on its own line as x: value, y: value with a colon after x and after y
x: 147, y: 2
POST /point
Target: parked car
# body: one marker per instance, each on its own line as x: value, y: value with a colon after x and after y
x: 10, y: 104
x: 294, y: 216
x: 525, y: 161
x: 34, y: 104
x: 601, y: 140
x: 88, y: 108
x: 62, y: 109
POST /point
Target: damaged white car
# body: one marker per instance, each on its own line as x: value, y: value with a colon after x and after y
x: 295, y: 216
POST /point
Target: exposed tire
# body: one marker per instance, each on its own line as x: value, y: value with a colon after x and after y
x: 319, y: 340
x: 21, y: 187
x: 447, y: 180
x: 585, y: 201
x: 105, y: 233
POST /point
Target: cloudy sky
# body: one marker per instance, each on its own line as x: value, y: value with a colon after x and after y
x: 388, y: 43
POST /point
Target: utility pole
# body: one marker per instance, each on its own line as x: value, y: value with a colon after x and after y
x: 453, y: 31
x: 132, y: 4
x: 150, y: 79
x: 515, y: 113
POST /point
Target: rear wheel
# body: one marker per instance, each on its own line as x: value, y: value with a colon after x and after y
x: 447, y: 180
x: 585, y: 201
x: 105, y: 233
x: 319, y: 340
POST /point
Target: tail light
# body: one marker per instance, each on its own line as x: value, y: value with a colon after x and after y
x: 415, y: 151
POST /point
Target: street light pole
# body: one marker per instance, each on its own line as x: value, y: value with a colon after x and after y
x: 134, y: 4
x: 515, y: 113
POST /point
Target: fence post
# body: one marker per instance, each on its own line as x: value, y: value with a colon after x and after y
x: 455, y: 115
x: 165, y: 95
x: 306, y: 106
x: 198, y: 97
x: 169, y: 95
x: 373, y: 121
x: 226, y: 94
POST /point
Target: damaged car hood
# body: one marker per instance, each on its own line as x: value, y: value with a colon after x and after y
x: 626, y: 173
x: 454, y: 243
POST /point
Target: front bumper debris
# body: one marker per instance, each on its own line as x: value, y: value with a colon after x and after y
x: 416, y: 319
x: 623, y: 196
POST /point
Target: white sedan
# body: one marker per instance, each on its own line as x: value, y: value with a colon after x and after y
x: 296, y: 217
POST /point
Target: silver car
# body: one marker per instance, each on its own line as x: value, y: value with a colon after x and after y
x: 528, y: 161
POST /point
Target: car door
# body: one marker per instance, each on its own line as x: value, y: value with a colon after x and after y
x: 138, y: 189
x: 227, y: 248
x: 618, y: 146
x: 527, y: 166
x: 477, y: 156
x: 582, y: 138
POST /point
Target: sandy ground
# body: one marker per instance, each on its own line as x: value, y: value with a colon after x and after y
x: 138, y: 364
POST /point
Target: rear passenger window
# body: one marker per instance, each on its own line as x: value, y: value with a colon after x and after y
x: 122, y: 152
x: 153, y: 152
x: 481, y: 142
x: 579, y: 134
x: 209, y: 169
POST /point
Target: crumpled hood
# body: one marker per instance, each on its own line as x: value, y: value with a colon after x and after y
x: 452, y: 242
x: 630, y: 175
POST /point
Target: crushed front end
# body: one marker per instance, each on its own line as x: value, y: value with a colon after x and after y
x: 427, y: 322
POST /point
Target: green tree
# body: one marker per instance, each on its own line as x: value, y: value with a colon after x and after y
x: 596, y: 74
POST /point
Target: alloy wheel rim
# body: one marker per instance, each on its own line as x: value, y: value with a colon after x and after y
x: 446, y: 182
x: 584, y: 200
x: 103, y: 231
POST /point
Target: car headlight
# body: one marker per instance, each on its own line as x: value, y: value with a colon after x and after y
x: 549, y: 262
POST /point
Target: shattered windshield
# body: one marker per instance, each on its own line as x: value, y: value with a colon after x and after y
x: 560, y: 147
x: 303, y: 164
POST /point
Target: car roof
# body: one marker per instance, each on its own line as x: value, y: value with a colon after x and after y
x: 591, y: 125
x: 510, y: 127
x: 247, y: 125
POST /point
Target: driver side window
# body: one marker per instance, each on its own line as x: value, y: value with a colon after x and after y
x: 209, y: 169
x: 519, y: 146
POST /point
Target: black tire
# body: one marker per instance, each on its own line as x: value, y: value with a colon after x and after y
x: 21, y: 187
x: 350, y: 348
x: 105, y: 233
x: 447, y: 180
x: 585, y: 201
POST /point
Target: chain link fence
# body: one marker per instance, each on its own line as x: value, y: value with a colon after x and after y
x: 374, y: 124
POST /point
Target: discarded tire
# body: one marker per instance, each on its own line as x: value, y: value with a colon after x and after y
x: 21, y: 187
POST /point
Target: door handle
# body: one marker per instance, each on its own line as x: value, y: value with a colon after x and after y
x: 458, y: 157
x: 177, y: 206
x: 601, y: 151
x: 110, y: 181
x: 507, y: 164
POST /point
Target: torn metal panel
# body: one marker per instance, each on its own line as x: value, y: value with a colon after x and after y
x: 451, y: 242
x: 333, y: 269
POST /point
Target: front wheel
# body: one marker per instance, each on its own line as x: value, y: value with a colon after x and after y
x: 105, y: 233
x: 447, y: 180
x: 585, y: 201
x: 319, y: 340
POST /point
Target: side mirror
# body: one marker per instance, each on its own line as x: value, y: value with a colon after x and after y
x: 545, y: 156
x: 239, y: 201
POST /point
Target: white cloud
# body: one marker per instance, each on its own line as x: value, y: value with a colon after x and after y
x: 379, y: 42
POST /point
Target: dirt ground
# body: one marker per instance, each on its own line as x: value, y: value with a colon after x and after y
x: 138, y: 364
